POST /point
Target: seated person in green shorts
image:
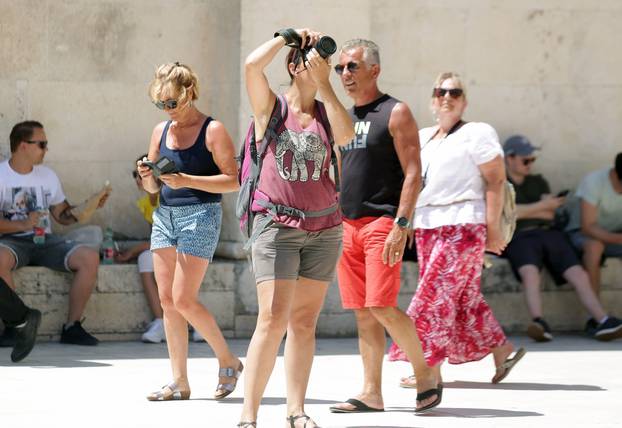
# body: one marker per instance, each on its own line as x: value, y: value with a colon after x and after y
x: 536, y: 244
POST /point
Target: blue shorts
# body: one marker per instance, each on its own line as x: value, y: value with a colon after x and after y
x: 53, y: 254
x: 192, y: 229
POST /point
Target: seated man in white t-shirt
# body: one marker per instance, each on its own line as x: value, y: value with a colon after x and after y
x: 29, y: 193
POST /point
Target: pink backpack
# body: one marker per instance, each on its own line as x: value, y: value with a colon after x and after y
x: 251, y: 160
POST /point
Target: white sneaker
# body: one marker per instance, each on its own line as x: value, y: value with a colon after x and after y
x: 155, y: 332
x: 196, y: 336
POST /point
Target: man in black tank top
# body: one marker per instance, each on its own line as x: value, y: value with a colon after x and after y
x: 380, y: 182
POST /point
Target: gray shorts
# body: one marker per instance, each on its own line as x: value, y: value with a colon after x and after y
x: 282, y: 252
x: 54, y: 253
x: 611, y: 250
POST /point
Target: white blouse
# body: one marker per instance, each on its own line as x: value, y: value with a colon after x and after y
x: 454, y: 189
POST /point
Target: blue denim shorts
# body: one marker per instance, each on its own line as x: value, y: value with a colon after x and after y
x: 191, y: 229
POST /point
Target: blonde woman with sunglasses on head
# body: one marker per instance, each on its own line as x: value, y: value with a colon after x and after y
x: 186, y: 225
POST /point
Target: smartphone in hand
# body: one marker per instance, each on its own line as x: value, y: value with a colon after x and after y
x: 563, y: 193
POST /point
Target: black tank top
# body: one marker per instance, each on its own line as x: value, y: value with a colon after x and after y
x: 371, y: 172
x: 195, y: 160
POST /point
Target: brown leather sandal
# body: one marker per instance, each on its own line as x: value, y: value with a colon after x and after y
x: 168, y: 393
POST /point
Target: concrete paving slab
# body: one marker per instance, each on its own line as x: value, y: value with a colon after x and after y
x: 571, y: 382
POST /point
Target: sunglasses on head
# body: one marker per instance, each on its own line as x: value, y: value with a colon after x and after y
x: 42, y: 144
x: 441, y: 92
x: 166, y: 105
x: 528, y: 161
x: 351, y: 66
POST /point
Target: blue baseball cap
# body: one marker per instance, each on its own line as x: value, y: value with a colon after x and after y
x: 519, y: 145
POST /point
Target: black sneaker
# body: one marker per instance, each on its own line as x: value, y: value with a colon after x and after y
x: 26, y: 335
x: 590, y: 327
x: 7, y: 340
x: 539, y: 331
x: 609, y: 330
x: 76, y: 335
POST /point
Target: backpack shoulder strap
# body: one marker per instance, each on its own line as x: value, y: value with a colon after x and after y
x: 324, y: 121
x: 331, y: 141
x: 279, y: 114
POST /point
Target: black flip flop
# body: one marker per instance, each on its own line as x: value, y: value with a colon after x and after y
x: 438, y: 391
x: 359, y: 407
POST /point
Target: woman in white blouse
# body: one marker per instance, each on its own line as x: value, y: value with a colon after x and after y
x: 456, y: 220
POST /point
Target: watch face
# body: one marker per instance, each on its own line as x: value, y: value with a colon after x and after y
x: 401, y: 221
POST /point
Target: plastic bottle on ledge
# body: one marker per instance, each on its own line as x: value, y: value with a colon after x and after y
x: 108, y: 247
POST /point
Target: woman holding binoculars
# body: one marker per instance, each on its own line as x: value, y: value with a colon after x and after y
x: 297, y: 229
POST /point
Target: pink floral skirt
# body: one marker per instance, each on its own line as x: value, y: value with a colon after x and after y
x: 452, y: 318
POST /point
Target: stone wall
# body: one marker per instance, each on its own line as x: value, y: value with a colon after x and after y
x: 118, y: 309
x: 546, y: 68
x: 82, y: 67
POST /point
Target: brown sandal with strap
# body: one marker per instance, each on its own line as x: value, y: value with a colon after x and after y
x: 247, y: 425
x: 168, y: 393
x: 224, y: 389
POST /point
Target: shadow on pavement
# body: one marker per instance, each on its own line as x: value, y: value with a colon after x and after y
x: 266, y: 401
x: 66, y: 362
x: 377, y: 426
x: 522, y: 386
x: 458, y: 412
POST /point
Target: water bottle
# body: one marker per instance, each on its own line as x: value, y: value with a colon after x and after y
x: 40, y: 228
x: 108, y: 248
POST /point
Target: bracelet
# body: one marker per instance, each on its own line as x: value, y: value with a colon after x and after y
x: 291, y: 37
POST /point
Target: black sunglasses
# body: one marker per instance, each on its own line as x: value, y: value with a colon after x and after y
x: 166, y: 105
x: 528, y: 161
x: 136, y: 175
x: 351, y: 66
x: 42, y: 144
x: 454, y: 93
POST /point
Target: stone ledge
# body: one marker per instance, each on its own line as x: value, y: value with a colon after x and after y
x: 118, y: 309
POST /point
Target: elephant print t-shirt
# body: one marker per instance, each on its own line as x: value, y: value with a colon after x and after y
x: 295, y: 173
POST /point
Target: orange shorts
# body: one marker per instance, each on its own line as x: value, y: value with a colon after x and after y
x: 364, y: 280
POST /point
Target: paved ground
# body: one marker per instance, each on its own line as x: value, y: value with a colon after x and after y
x: 572, y: 382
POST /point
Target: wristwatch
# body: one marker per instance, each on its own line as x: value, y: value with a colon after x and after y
x: 402, y: 222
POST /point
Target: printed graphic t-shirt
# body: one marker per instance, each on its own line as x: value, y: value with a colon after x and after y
x: 23, y: 193
x: 371, y: 173
x: 295, y: 173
